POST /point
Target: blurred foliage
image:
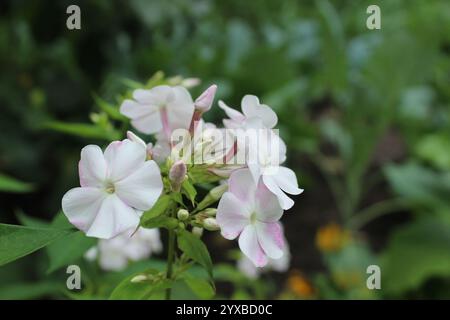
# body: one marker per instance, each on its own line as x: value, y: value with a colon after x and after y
x: 365, y: 115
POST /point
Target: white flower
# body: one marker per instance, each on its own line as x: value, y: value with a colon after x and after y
x: 162, y: 108
x: 251, y: 212
x: 115, y: 254
x: 116, y: 187
x: 254, y: 114
x: 265, y: 163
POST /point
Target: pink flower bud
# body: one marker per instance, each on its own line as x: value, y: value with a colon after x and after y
x: 177, y: 174
x: 204, y: 102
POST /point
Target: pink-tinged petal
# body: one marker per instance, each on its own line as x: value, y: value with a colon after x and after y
x: 267, y: 206
x: 242, y: 185
x: 123, y: 157
x: 232, y: 216
x: 81, y: 205
x: 285, y: 202
x: 204, y: 102
x: 133, y: 137
x: 249, y: 245
x: 92, y: 167
x: 113, y: 218
x: 231, y: 113
x: 287, y: 180
x: 270, y: 237
x: 148, y: 124
x: 180, y: 109
x: 142, y: 188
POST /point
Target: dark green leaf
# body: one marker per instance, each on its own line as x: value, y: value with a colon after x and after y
x: 18, y: 241
x: 189, y: 190
x: 195, y: 249
x: 152, y: 288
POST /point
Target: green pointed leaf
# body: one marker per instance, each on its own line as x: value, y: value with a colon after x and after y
x: 68, y: 249
x: 195, y: 249
x: 108, y: 108
x: 161, y: 222
x: 189, y: 190
x: 18, y: 241
x: 81, y: 130
x: 158, y: 209
x: 10, y: 184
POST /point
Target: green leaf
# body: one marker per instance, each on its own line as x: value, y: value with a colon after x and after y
x: 435, y: 149
x: 415, y: 253
x: 201, y: 287
x: 108, y: 108
x: 153, y: 287
x: 161, y: 222
x: 419, y: 184
x: 9, y: 184
x: 158, y: 209
x: 18, y: 241
x: 31, y: 221
x: 33, y: 290
x: 195, y: 249
x: 68, y: 249
x: 189, y: 190
x: 81, y: 130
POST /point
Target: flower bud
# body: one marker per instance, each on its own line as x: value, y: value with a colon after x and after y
x: 204, y: 102
x: 131, y: 136
x: 210, y: 224
x: 210, y: 212
x: 197, y: 231
x: 183, y: 214
x: 217, y: 192
x: 177, y: 174
x: 138, y: 278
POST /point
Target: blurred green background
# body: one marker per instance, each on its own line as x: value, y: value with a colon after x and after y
x: 365, y: 114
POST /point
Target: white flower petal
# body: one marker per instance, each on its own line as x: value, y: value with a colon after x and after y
x: 123, y: 157
x: 267, y: 206
x: 285, y: 202
x: 134, y: 110
x: 148, y: 124
x: 92, y: 167
x: 270, y: 237
x: 180, y: 109
x: 287, y: 181
x: 142, y: 188
x: 113, y: 218
x: 231, y: 113
x: 249, y: 105
x: 232, y: 216
x: 242, y: 185
x: 249, y: 245
x: 81, y: 205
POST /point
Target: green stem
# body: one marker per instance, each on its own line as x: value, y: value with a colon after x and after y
x: 375, y: 211
x: 170, y: 259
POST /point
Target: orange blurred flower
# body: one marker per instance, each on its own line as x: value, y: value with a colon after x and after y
x: 331, y: 237
x: 299, y: 285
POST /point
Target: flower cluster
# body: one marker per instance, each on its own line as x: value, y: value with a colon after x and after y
x: 129, y: 177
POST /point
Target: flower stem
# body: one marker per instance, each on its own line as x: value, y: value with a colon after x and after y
x: 170, y: 258
x: 377, y: 210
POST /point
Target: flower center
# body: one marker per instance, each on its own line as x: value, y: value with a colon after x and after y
x: 109, y: 187
x: 253, y: 218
